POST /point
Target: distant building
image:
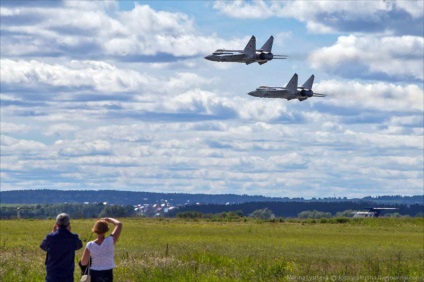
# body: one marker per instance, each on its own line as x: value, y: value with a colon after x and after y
x: 158, y: 209
x: 372, y: 212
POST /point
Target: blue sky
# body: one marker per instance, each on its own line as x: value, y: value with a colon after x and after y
x: 117, y: 95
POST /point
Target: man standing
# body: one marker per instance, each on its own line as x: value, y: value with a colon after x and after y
x: 60, y: 246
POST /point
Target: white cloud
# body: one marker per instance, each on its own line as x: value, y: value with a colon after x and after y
x: 7, y: 127
x: 383, y: 140
x: 78, y: 29
x: 378, y: 96
x: 408, y: 120
x: 289, y: 160
x: 94, y: 78
x: 392, y: 56
x: 263, y: 110
x: 120, y: 133
x: 256, y: 9
x: 94, y: 75
x: 395, y: 17
x: 185, y: 81
x: 60, y: 129
x: 362, y: 16
x: 233, y: 157
x: 413, y: 8
x: 202, y: 102
x: 22, y: 147
x: 83, y: 148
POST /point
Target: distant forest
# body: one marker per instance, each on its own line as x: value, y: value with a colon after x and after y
x: 134, y: 198
x: 88, y: 204
x: 276, y: 209
x: 42, y: 211
x: 292, y: 209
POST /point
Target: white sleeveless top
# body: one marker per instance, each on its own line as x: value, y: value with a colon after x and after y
x: 102, y: 256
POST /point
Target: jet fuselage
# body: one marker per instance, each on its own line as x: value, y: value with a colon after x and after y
x: 276, y: 92
x: 291, y: 91
x: 249, y: 55
x: 238, y: 56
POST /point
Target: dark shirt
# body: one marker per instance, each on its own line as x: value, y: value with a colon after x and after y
x: 60, y: 247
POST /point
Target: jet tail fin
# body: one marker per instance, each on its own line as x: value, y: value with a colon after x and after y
x: 250, y: 48
x: 268, y: 45
x: 292, y: 85
x: 308, y: 84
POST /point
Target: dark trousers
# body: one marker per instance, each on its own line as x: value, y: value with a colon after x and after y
x: 57, y: 278
x: 101, y: 275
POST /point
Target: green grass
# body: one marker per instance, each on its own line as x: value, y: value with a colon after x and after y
x: 357, y: 250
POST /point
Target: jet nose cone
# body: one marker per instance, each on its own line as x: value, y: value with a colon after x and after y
x: 252, y: 93
x: 209, y: 57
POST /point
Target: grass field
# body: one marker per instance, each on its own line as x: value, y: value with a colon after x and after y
x: 391, y: 249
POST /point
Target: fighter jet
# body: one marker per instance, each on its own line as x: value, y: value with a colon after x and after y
x: 291, y: 91
x: 248, y: 55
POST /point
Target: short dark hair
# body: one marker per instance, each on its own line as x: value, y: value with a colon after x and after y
x: 63, y: 220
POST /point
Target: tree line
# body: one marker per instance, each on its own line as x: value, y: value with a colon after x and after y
x: 260, y: 210
x: 267, y: 215
x: 293, y: 209
x: 133, y: 198
x: 41, y: 211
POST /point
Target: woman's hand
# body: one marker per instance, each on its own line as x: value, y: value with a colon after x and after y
x: 118, y: 227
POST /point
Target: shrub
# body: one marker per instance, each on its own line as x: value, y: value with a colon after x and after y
x: 190, y: 215
x: 314, y: 214
x: 262, y: 214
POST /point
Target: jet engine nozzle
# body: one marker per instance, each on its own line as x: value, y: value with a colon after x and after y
x: 265, y: 56
x: 306, y: 93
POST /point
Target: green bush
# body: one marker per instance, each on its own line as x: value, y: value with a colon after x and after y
x: 190, y: 215
x: 314, y: 214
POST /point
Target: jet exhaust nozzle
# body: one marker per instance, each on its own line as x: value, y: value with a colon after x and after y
x: 306, y: 93
x: 266, y: 56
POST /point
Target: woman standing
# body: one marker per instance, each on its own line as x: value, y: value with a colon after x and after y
x: 102, y: 250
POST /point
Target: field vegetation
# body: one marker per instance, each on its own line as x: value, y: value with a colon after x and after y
x: 246, y: 250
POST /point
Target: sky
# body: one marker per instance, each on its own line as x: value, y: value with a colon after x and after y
x: 117, y: 95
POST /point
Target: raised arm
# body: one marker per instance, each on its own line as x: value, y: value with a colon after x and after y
x: 117, y: 230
